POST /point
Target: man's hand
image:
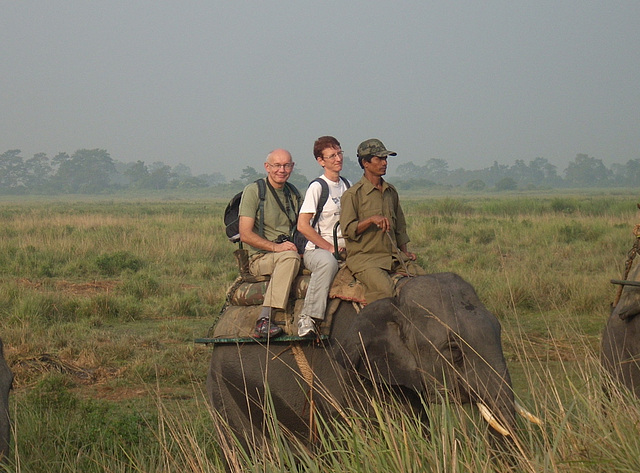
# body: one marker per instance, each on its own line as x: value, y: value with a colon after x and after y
x: 284, y: 246
x: 381, y: 222
x: 411, y: 256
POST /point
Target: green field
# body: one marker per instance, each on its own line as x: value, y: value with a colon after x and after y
x: 100, y: 301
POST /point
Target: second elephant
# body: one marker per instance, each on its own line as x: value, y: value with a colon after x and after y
x: 621, y: 337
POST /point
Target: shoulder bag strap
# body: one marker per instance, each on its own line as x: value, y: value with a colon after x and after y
x: 292, y: 223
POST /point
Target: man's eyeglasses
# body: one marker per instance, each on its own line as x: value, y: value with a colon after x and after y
x: 286, y: 166
x: 334, y: 155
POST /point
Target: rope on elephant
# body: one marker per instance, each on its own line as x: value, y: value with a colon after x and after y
x: 400, y: 257
x: 630, y: 257
x: 307, y: 374
x: 303, y: 364
x: 230, y: 292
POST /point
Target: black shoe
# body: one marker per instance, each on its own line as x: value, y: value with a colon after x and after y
x: 266, y: 329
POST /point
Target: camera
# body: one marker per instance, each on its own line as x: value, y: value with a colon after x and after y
x: 281, y: 239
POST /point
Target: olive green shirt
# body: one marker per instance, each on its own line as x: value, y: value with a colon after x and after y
x: 372, y: 248
x: 276, y: 222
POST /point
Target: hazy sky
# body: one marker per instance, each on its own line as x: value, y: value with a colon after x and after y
x: 216, y: 85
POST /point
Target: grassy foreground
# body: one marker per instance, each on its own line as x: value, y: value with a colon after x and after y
x: 100, y: 302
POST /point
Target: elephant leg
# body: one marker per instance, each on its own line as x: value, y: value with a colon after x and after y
x: 234, y: 422
x: 621, y: 352
x: 6, y: 379
x: 5, y: 433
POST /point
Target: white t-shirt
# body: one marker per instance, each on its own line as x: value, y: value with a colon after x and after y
x: 330, y: 212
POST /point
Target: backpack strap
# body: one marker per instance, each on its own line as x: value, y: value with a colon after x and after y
x: 287, y: 190
x: 262, y: 192
x: 324, y: 195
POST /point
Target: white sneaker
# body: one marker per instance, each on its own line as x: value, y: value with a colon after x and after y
x: 306, y: 326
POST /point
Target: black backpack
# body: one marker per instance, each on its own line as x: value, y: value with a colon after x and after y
x: 232, y: 219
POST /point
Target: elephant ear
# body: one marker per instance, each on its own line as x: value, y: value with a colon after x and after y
x: 376, y: 347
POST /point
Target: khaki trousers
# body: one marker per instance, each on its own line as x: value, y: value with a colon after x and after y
x: 378, y: 283
x: 283, y: 268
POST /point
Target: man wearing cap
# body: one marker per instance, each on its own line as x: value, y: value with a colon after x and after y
x: 374, y: 226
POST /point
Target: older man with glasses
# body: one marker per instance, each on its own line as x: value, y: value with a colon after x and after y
x: 270, y: 250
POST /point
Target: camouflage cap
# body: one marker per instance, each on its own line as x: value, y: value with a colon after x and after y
x: 373, y: 147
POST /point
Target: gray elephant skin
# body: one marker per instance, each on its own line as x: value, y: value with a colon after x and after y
x: 436, y: 336
x: 6, y: 379
x: 620, y: 353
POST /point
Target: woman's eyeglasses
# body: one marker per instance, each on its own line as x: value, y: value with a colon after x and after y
x: 334, y: 155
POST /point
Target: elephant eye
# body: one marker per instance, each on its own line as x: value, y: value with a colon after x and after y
x: 456, y: 353
x: 452, y: 349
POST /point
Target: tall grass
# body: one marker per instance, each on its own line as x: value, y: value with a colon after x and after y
x: 100, y: 302
x: 585, y: 430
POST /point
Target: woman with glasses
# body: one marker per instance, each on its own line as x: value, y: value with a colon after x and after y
x: 319, y: 253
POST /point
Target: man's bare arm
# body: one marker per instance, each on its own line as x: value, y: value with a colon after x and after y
x: 304, y: 227
x: 248, y: 236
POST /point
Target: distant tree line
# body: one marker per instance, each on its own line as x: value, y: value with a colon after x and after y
x: 539, y: 173
x: 93, y: 171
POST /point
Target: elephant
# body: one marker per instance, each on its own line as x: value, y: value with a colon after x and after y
x: 620, y: 350
x: 6, y: 380
x: 435, y: 340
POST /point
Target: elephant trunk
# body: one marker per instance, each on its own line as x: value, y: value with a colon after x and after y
x: 493, y: 395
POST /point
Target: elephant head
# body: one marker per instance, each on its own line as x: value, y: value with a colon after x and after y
x: 438, y: 339
x: 6, y: 379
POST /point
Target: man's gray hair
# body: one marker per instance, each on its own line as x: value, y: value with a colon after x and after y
x: 268, y: 158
